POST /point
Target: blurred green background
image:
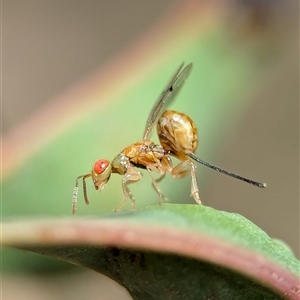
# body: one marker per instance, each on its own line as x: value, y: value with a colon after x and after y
x: 243, y: 95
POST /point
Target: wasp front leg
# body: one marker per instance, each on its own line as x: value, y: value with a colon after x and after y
x: 179, y: 171
x: 131, y: 175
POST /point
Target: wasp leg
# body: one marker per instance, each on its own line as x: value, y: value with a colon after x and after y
x: 159, y: 168
x: 132, y: 175
x: 75, y: 192
x: 162, y: 167
x: 179, y: 172
x: 160, y: 178
x: 165, y: 165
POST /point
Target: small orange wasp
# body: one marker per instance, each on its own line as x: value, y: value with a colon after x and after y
x: 178, y: 137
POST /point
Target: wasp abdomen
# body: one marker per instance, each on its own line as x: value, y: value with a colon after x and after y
x: 177, y: 133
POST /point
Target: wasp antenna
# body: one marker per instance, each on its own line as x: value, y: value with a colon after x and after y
x: 75, y: 192
x: 75, y: 196
x: 258, y: 184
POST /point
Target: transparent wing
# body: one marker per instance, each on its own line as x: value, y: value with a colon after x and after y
x: 168, y: 94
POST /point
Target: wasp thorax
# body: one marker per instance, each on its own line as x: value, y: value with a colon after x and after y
x: 120, y: 164
x: 177, y: 133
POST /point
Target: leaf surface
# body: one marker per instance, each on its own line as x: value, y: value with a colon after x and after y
x: 169, y: 252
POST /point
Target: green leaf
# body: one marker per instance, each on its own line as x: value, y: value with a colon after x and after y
x: 169, y: 252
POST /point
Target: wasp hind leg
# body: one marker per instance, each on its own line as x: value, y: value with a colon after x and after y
x: 179, y: 171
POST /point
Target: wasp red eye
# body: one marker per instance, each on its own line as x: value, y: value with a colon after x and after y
x: 100, y: 166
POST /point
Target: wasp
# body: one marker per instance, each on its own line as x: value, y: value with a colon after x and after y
x: 178, y: 138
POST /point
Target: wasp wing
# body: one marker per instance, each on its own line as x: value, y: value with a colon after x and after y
x: 168, y: 94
